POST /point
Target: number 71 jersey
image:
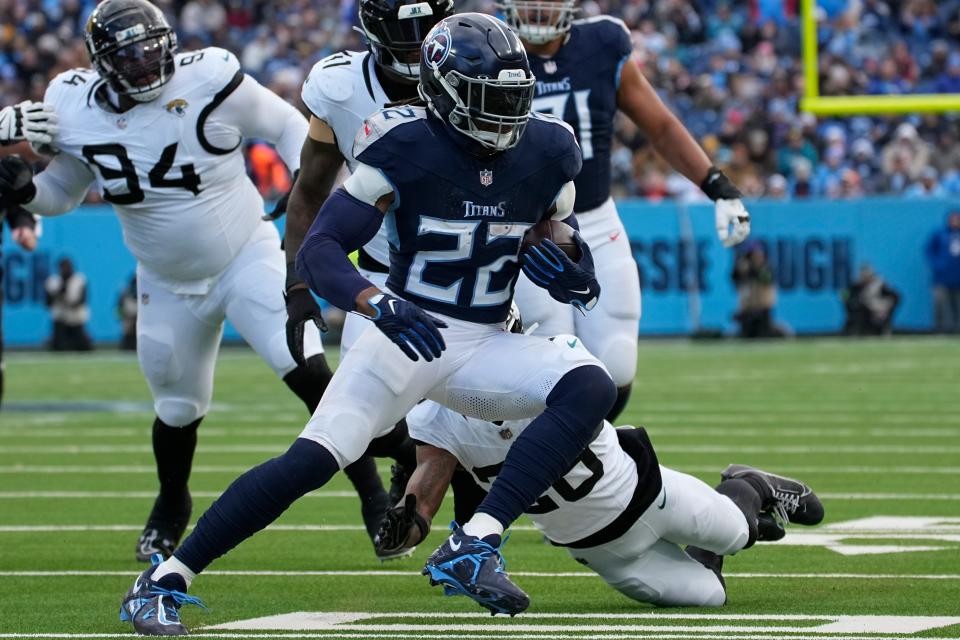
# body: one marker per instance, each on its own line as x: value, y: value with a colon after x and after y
x: 579, y: 84
x: 174, y: 173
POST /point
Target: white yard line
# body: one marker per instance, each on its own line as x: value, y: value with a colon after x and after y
x: 828, y: 469
x: 690, y: 632
x: 81, y: 449
x: 137, y: 495
x: 522, y: 574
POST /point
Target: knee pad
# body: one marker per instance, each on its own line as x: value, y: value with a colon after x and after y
x: 344, y: 431
x: 178, y: 412
x: 310, y: 380
x: 586, y: 391
x: 158, y: 360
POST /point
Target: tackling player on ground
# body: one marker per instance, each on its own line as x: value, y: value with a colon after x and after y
x: 585, y: 75
x: 161, y: 133
x: 439, y: 326
x: 617, y: 511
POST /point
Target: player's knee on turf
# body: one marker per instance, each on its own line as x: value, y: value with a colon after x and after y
x: 705, y: 592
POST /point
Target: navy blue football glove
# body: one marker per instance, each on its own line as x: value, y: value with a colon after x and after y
x: 408, y: 326
x: 566, y: 281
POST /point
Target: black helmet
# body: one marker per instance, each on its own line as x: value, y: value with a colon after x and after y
x: 131, y: 46
x: 394, y: 30
x: 474, y: 75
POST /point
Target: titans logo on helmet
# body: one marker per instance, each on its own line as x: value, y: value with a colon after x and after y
x: 437, y: 48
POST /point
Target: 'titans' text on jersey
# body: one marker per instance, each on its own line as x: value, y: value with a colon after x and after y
x: 457, y: 219
x: 579, y: 84
x: 173, y: 168
x: 342, y: 90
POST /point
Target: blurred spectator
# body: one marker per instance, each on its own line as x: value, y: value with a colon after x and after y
x: 928, y: 186
x: 756, y: 292
x: 870, y: 304
x: 67, y: 301
x: 730, y: 70
x: 943, y: 255
x: 127, y: 312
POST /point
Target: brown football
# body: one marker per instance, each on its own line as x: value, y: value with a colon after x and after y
x: 559, y: 232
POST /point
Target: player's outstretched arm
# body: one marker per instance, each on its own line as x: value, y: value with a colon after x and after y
x: 55, y: 191
x: 638, y: 100
x: 408, y: 523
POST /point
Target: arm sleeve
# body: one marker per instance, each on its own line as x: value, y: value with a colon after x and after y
x: 253, y: 111
x: 343, y: 225
x: 61, y: 187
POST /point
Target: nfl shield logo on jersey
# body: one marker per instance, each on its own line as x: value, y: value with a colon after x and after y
x: 550, y: 67
x: 486, y: 177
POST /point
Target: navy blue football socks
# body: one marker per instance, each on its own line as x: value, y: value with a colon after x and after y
x: 256, y: 499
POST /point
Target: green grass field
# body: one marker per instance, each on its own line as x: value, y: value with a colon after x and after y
x: 873, y: 426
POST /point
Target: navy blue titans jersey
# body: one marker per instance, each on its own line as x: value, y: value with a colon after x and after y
x: 579, y: 84
x: 458, y: 219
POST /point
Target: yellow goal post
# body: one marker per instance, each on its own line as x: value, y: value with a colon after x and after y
x: 819, y: 105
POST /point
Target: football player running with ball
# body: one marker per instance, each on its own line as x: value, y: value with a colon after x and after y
x: 459, y: 181
x: 161, y: 134
x: 585, y: 75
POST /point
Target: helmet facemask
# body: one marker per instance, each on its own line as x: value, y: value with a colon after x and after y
x: 492, y: 111
x: 137, y: 67
x: 539, y: 21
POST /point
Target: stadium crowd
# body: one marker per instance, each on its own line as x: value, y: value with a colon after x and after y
x: 731, y: 70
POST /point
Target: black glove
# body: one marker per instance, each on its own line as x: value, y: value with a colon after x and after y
x: 397, y: 526
x: 281, y: 207
x: 301, y: 308
x: 16, y: 180
x: 718, y: 186
x: 566, y: 281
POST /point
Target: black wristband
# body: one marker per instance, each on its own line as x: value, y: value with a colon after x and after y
x: 292, y: 278
x: 718, y: 186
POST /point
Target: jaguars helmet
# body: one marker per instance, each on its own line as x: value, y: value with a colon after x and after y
x: 395, y: 29
x: 539, y: 21
x: 131, y: 46
x: 475, y: 76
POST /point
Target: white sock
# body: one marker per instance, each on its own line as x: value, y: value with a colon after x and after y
x: 482, y: 525
x: 173, y: 565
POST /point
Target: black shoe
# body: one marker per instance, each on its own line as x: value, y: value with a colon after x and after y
x: 786, y: 498
x: 769, y: 528
x: 473, y: 567
x: 373, y: 510
x: 165, y: 526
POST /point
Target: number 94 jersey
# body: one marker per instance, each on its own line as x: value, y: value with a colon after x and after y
x: 579, y: 84
x: 175, y: 175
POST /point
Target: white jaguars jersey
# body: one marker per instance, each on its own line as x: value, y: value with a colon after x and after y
x: 342, y: 90
x: 590, y: 497
x: 176, y: 176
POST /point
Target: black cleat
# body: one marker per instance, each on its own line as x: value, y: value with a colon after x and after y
x: 473, y: 567
x: 154, y: 610
x: 786, y: 498
x: 769, y: 528
x: 399, y: 476
x: 165, y: 526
